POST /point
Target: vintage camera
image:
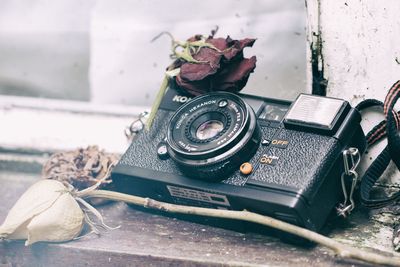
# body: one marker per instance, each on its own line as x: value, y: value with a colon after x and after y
x: 235, y: 151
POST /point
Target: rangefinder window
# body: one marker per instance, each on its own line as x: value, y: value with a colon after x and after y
x: 273, y: 112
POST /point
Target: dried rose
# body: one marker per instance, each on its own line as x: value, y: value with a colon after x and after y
x: 220, y: 66
x: 206, y: 64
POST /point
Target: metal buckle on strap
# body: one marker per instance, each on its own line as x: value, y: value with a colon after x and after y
x: 351, y: 159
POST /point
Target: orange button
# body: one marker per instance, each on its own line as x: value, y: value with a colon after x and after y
x: 246, y: 168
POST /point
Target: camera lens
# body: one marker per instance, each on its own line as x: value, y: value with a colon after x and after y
x: 209, y: 129
x: 208, y: 139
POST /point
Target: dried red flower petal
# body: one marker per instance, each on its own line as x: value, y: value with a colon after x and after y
x: 220, y: 43
x: 223, y: 68
x: 236, y: 48
x: 199, y: 71
x: 235, y: 77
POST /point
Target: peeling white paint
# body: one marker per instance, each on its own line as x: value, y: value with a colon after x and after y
x: 360, y: 47
x: 361, y: 52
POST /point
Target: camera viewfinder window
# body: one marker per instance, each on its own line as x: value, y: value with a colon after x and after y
x: 273, y: 112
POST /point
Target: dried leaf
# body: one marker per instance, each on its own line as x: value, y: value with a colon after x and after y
x: 80, y: 168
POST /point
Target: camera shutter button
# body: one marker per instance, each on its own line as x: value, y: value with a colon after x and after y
x: 246, y: 168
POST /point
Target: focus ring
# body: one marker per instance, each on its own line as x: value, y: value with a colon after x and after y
x: 231, y: 136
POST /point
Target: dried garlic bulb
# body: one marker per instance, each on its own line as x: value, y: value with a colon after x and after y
x: 45, y: 212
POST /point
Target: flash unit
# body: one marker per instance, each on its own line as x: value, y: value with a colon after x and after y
x: 316, y: 112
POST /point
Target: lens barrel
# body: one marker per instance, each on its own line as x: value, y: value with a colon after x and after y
x: 212, y: 135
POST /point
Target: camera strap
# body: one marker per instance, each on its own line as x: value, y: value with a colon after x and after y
x: 386, y: 128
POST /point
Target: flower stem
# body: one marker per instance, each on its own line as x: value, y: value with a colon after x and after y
x: 157, y: 101
x: 342, y: 250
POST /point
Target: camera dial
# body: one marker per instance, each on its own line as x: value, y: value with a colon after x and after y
x: 212, y: 135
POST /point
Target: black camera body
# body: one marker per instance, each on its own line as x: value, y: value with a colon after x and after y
x: 237, y: 152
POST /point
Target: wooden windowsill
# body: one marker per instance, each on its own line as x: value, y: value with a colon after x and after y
x: 50, y: 125
x: 147, y: 238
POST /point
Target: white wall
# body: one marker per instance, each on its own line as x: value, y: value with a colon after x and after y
x: 361, y: 45
x: 126, y: 67
x: 44, y: 48
x: 100, y: 50
x: 48, y: 46
x: 361, y: 54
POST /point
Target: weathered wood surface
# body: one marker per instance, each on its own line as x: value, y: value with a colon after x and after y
x: 154, y: 240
